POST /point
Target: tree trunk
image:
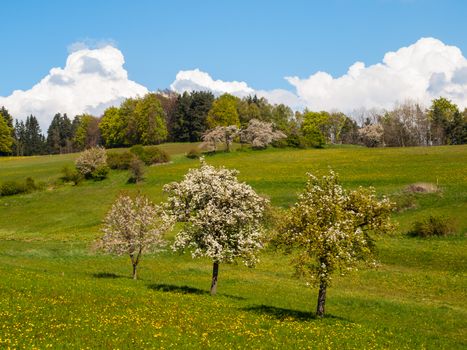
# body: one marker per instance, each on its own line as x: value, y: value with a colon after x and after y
x: 135, y: 276
x: 321, y: 299
x: 215, y: 272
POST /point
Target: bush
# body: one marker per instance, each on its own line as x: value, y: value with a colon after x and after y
x: 433, y: 226
x: 30, y: 184
x: 10, y: 188
x: 404, y: 201
x: 100, y: 173
x: 120, y: 161
x: 155, y: 155
x: 150, y: 154
x: 194, y: 153
x: 136, y: 170
x: 71, y: 175
x: 296, y: 141
x: 138, y: 151
x: 92, y: 163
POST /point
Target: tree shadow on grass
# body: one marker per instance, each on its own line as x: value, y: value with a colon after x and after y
x: 177, y: 289
x: 105, y: 275
x: 283, y: 314
x: 186, y: 290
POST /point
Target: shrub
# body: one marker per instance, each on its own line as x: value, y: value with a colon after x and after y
x: 120, y: 161
x: 30, y: 184
x: 138, y: 151
x: 194, y: 153
x: 404, y: 201
x: 296, y: 141
x: 10, y: 188
x: 100, y: 173
x: 150, y: 154
x: 92, y: 163
x: 155, y: 155
x: 71, y: 175
x: 433, y: 225
x: 136, y: 170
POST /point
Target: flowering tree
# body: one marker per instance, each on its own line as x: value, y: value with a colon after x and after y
x: 220, y: 134
x: 222, y: 216
x: 133, y: 227
x: 260, y: 134
x: 372, y: 135
x: 331, y: 230
x: 92, y: 163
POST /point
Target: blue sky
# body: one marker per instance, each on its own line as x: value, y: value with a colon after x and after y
x: 322, y: 55
x: 255, y: 41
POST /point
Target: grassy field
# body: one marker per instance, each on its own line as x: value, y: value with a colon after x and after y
x: 56, y: 292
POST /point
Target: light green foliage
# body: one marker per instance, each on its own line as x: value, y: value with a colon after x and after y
x: 6, y: 141
x: 331, y: 228
x: 443, y: 115
x: 149, y: 116
x: 313, y: 128
x: 223, y: 112
x: 112, y: 127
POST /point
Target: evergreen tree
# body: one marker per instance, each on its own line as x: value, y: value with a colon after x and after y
x: 59, y: 135
x: 33, y: 141
x: 190, y: 116
x: 180, y: 128
x: 19, y: 137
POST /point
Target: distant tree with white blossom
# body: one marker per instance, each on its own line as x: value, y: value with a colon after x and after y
x: 260, y: 134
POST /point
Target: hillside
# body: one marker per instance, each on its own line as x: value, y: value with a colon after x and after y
x: 56, y: 290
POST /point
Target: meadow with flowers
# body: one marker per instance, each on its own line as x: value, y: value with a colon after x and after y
x: 57, y: 291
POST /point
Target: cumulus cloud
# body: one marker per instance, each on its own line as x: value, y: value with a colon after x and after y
x: 94, y: 79
x: 422, y: 71
x: 196, y: 80
x: 91, y: 80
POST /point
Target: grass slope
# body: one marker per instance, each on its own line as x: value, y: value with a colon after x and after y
x: 56, y: 292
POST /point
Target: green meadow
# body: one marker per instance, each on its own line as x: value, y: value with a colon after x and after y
x: 57, y: 292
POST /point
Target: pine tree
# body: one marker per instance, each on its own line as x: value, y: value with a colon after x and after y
x: 34, y: 141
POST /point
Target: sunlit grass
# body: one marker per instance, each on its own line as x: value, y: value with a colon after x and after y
x: 56, y: 292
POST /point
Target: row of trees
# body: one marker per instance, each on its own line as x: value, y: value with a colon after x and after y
x: 328, y: 230
x: 410, y: 125
x: 168, y: 116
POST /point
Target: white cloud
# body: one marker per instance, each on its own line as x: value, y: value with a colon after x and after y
x: 196, y: 80
x: 422, y: 71
x: 94, y: 79
x: 91, y: 80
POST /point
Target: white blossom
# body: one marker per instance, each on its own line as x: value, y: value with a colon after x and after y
x: 133, y: 227
x: 220, y: 134
x: 222, y: 216
x: 90, y: 160
x: 260, y: 134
